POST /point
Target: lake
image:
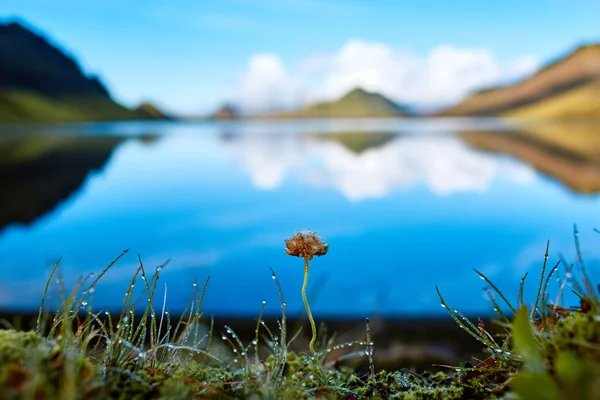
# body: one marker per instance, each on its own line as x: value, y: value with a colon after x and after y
x: 404, y: 204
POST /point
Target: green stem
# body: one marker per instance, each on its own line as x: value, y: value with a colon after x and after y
x: 310, y: 318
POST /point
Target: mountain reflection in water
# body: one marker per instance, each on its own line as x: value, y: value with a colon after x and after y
x: 404, y: 204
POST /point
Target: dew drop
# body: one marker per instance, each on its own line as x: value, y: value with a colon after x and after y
x: 84, y: 303
x: 194, y: 284
x: 91, y: 290
x: 255, y: 342
x: 158, y: 269
x: 224, y: 337
x: 106, y: 312
x: 273, y: 276
x: 443, y: 305
x: 235, y: 361
x: 125, y: 318
x: 264, y: 302
x: 311, y: 377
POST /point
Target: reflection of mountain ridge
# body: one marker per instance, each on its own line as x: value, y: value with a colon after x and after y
x: 358, y: 142
x: 443, y: 163
x: 39, y: 172
x: 568, y: 153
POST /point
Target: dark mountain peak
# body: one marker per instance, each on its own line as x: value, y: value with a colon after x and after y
x: 227, y: 111
x: 30, y: 62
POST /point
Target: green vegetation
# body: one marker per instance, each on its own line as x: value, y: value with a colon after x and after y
x: 150, y: 111
x: 40, y: 83
x: 547, y: 352
x: 356, y: 103
x: 18, y: 106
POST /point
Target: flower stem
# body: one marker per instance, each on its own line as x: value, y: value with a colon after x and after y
x: 310, y: 318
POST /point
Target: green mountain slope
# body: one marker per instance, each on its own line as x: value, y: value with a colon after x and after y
x: 356, y: 103
x: 570, y: 75
x: 582, y: 101
x: 40, y: 83
x: 150, y: 111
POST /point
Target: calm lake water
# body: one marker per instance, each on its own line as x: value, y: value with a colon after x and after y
x: 404, y: 204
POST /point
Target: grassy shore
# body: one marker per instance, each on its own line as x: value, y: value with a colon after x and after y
x: 534, y: 349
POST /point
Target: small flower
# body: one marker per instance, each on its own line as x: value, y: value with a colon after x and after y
x: 306, y: 244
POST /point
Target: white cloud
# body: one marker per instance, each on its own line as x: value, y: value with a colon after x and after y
x: 444, y: 75
x: 266, y: 85
x: 443, y: 164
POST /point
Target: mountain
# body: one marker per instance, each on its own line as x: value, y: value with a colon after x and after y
x: 356, y: 103
x: 150, y: 111
x: 40, y: 83
x: 567, y: 87
x: 226, y: 112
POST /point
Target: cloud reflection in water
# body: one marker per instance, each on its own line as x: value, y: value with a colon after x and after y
x: 444, y: 164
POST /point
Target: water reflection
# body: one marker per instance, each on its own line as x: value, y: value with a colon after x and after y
x: 371, y: 165
x: 403, y: 209
x: 568, y: 152
x: 37, y: 172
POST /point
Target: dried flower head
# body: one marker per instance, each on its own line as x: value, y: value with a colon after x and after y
x: 306, y: 244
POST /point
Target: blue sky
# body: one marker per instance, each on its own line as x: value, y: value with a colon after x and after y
x: 188, y: 56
